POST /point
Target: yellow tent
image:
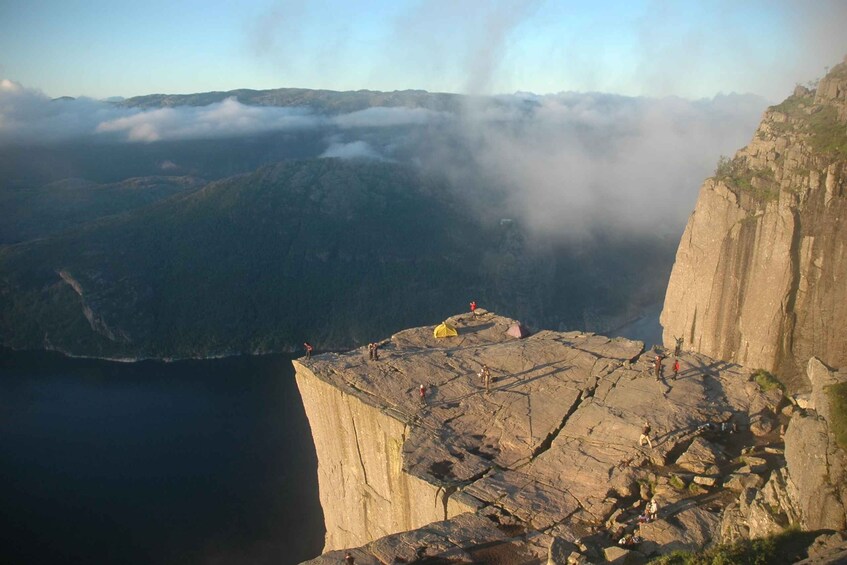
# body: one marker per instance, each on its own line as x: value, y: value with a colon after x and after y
x: 444, y: 330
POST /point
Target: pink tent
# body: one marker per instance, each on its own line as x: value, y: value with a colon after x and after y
x: 518, y: 330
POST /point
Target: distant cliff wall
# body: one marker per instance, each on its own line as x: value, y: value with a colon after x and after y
x: 760, y: 272
x: 364, y: 491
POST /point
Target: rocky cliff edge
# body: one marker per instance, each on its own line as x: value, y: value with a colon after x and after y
x: 548, y: 460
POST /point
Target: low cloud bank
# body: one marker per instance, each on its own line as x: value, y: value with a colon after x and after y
x: 29, y: 117
x: 568, y: 162
x: 576, y: 161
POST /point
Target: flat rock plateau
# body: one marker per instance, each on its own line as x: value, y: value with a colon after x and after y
x: 545, y: 464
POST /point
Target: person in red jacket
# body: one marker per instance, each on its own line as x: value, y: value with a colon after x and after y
x: 422, y: 394
x: 675, y: 368
x: 473, y: 307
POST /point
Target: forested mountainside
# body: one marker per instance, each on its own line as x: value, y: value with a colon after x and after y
x: 336, y: 252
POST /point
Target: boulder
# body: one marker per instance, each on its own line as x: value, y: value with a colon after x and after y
x: 820, y: 376
x: 733, y: 526
x: 807, y: 455
x: 690, y: 529
x: 738, y: 482
x: 762, y: 423
x: 705, y: 481
x: 701, y: 457
x: 621, y: 556
x: 558, y: 551
x: 756, y: 464
x: 825, y: 544
x: 578, y: 559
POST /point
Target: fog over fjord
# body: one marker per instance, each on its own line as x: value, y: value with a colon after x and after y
x: 567, y: 163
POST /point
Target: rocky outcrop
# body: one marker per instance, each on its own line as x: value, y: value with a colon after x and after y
x: 807, y: 488
x: 759, y: 272
x: 549, y: 455
x: 817, y: 467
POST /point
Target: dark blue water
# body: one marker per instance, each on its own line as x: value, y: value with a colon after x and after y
x: 646, y: 328
x: 186, y: 462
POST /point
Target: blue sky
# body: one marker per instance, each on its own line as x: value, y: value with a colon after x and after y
x: 103, y: 48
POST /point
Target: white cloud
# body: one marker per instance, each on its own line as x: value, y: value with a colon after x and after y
x: 352, y: 150
x: 574, y: 161
x: 223, y: 119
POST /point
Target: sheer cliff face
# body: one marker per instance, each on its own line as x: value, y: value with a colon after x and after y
x: 364, y: 491
x: 760, y: 272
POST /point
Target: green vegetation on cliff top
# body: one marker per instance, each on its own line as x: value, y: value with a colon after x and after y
x: 837, y: 395
x: 786, y: 547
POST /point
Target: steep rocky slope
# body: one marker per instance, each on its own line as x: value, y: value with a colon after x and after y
x: 760, y: 271
x: 548, y: 457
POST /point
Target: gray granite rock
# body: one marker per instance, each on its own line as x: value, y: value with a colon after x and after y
x: 553, y: 444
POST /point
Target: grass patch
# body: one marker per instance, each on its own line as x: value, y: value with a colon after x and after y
x: 828, y: 135
x: 766, y: 381
x: 786, y: 547
x: 791, y: 106
x: 736, y: 173
x: 676, y: 483
x: 837, y: 395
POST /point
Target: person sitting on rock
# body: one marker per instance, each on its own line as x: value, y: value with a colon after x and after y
x: 629, y: 541
x: 349, y: 559
x: 729, y: 427
x: 645, y: 436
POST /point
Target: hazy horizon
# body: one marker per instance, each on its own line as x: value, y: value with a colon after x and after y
x: 650, y: 48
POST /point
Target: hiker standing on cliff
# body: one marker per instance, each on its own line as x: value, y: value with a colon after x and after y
x: 678, y: 347
x: 309, y: 349
x: 473, y: 307
x: 645, y: 436
x: 422, y: 394
x: 658, y: 366
x: 349, y: 559
x: 653, y: 510
x: 376, y: 352
x: 675, y: 368
x: 485, y: 377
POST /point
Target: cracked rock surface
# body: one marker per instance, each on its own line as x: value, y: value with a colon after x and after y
x: 552, y: 447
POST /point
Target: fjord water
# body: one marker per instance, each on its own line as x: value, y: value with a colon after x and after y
x: 150, y: 462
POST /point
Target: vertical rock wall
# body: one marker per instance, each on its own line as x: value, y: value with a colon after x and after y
x: 760, y: 272
x: 364, y: 492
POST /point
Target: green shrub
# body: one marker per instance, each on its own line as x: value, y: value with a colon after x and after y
x: 676, y: 483
x: 724, y: 168
x: 786, y: 547
x: 837, y: 395
x: 829, y: 136
x: 766, y: 381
